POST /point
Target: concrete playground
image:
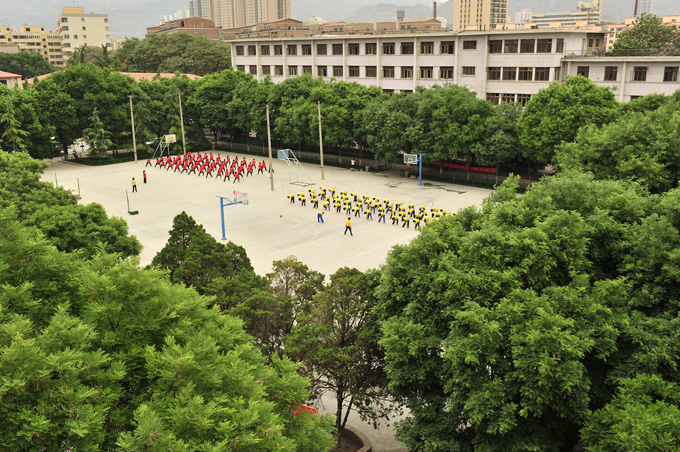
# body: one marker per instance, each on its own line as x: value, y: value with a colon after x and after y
x: 268, y: 227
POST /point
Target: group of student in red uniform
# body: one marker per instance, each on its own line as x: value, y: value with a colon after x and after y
x: 357, y: 205
x: 210, y: 165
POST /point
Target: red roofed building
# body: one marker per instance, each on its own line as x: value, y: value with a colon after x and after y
x: 10, y: 80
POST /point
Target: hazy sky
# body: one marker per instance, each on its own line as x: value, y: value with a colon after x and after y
x: 130, y: 18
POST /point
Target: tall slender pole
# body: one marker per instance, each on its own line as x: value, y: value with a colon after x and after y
x: 318, y: 103
x: 134, y: 138
x: 269, y: 140
x: 181, y: 119
x: 420, y: 169
x: 224, y: 235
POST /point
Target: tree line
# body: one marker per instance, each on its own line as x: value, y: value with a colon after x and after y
x: 562, y: 124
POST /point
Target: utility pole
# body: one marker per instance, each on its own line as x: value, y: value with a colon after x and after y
x: 134, y: 138
x: 318, y: 103
x: 181, y: 119
x: 269, y: 140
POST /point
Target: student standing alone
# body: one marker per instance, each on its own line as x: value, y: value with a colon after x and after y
x: 348, y: 226
x: 134, y: 185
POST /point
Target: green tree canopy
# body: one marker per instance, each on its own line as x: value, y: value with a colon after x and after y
x: 55, y: 212
x: 648, y: 36
x: 26, y: 64
x: 506, y: 329
x: 337, y: 340
x: 644, y: 147
x: 177, y: 52
x: 102, y: 354
x: 194, y: 258
x: 555, y: 114
x: 67, y: 98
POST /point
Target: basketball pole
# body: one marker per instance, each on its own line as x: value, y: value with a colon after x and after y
x: 269, y: 141
x: 224, y: 234
x: 318, y: 103
x: 181, y: 120
x: 134, y: 138
x: 420, y: 169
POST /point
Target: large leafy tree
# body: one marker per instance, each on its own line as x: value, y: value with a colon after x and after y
x: 26, y: 64
x: 451, y: 120
x: 510, y: 327
x: 66, y: 100
x: 648, y: 36
x: 178, y: 52
x: 55, y: 212
x: 500, y: 144
x: 214, y: 103
x: 194, y: 258
x: 639, y: 146
x: 555, y: 114
x: 271, y: 313
x: 337, y: 340
x: 389, y: 126
x: 294, y: 117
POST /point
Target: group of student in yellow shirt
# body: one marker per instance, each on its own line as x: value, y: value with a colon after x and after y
x: 357, y: 205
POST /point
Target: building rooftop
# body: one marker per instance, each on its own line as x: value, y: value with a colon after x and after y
x: 5, y: 75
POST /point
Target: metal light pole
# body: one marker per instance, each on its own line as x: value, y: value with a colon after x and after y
x: 134, y: 138
x: 181, y: 119
x: 318, y: 103
x: 269, y: 140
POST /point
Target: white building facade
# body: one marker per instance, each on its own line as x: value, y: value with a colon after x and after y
x: 508, y: 65
x: 629, y: 77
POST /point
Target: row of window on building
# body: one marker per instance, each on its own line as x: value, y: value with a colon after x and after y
x: 521, y: 73
x: 407, y: 72
x: 407, y: 48
x: 497, y: 98
x: 639, y: 74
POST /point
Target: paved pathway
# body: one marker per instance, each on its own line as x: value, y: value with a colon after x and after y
x: 269, y: 227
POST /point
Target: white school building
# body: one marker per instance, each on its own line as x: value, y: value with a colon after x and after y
x: 499, y: 65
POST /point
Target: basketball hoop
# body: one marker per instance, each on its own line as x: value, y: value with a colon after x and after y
x: 410, y: 159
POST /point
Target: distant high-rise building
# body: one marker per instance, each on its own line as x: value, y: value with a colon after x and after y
x: 480, y: 14
x: 35, y: 38
x: 201, y: 8
x: 644, y: 6
x: 80, y: 29
x: 239, y: 13
x: 522, y: 16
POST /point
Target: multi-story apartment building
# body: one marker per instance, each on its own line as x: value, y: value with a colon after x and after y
x: 479, y: 14
x: 80, y: 29
x: 239, y: 13
x: 34, y: 38
x: 498, y: 65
